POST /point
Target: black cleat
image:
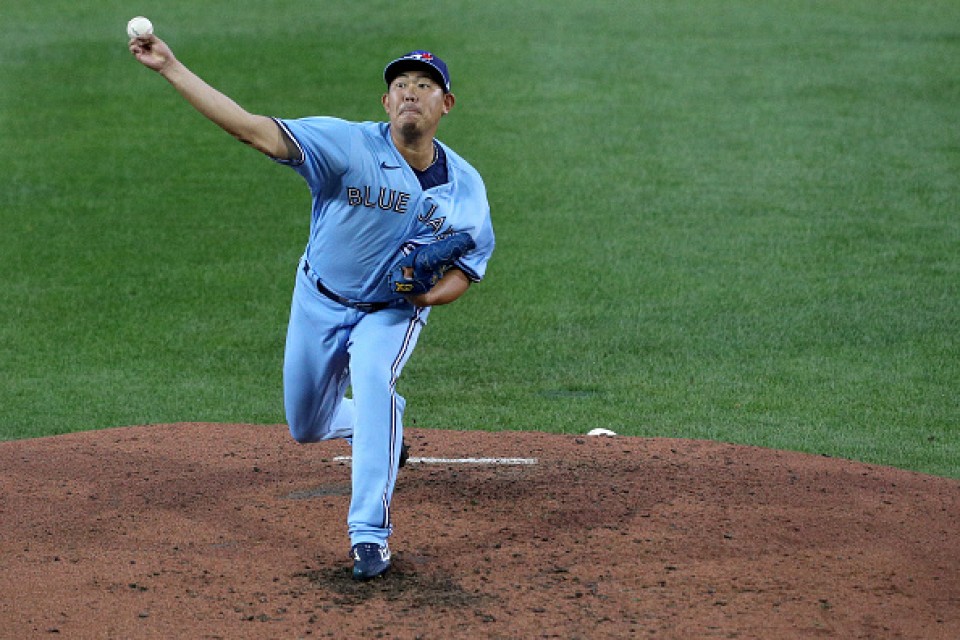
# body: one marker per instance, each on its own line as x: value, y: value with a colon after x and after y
x: 404, y: 454
x: 370, y: 560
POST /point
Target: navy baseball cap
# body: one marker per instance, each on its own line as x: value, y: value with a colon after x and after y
x: 419, y: 58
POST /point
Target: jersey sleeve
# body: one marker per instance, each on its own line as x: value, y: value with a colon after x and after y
x: 473, y: 197
x: 323, y: 145
x: 474, y: 264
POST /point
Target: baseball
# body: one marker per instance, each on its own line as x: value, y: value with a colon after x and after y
x: 601, y: 432
x: 139, y: 26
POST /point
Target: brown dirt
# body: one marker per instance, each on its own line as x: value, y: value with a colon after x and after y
x: 231, y: 531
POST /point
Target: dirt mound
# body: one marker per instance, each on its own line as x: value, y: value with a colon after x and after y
x: 236, y: 531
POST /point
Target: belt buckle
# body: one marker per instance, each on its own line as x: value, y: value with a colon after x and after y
x: 366, y: 307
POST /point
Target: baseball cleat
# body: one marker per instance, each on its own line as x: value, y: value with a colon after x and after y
x: 370, y: 560
x: 404, y: 454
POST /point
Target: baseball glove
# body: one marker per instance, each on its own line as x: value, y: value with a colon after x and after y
x: 419, y: 270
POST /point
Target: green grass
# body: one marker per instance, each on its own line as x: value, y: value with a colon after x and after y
x: 726, y: 220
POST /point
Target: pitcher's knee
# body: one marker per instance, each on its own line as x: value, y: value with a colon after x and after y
x: 302, y: 429
x: 301, y: 435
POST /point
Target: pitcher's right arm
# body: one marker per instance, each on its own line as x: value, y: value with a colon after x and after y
x: 260, y: 132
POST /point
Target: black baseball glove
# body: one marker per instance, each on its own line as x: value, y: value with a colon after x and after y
x: 424, y: 266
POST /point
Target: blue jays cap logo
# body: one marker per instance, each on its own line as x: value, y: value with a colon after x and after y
x: 420, y: 57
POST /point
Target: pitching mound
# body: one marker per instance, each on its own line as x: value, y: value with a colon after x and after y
x: 230, y: 531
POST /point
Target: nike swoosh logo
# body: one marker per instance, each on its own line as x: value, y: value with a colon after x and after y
x: 384, y: 165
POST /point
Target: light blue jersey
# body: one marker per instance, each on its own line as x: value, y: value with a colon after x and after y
x: 368, y: 205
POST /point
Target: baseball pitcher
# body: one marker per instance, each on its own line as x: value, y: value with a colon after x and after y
x: 399, y: 223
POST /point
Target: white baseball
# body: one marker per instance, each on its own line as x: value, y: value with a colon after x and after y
x: 601, y: 432
x: 139, y: 26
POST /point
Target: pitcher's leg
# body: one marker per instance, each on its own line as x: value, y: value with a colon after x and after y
x: 379, y: 348
x: 315, y: 367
